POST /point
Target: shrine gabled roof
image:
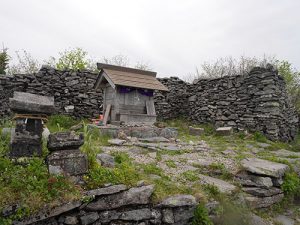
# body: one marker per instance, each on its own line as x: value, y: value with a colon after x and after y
x: 129, y: 77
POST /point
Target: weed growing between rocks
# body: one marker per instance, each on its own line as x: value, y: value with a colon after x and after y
x: 61, y: 123
x: 201, y: 216
x: 291, y: 184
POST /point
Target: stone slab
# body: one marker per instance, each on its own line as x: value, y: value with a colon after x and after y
x: 64, y: 141
x: 116, y: 141
x: 133, y: 196
x: 258, y: 202
x: 264, y: 167
x: 262, y: 192
x: 154, y: 139
x: 223, y: 186
x: 250, y: 180
x: 224, y: 131
x: 107, y: 190
x: 196, y: 131
x: 137, y: 131
x: 32, y: 103
x: 178, y: 201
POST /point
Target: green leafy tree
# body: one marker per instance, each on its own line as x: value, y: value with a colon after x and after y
x: 4, y: 59
x: 73, y: 59
x: 292, y: 79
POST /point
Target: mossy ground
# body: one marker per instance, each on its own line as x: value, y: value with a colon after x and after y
x: 32, y: 187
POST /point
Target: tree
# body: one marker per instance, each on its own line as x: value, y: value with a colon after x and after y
x: 4, y: 59
x: 229, y: 66
x: 25, y: 64
x: 118, y: 60
x: 292, y: 80
x: 142, y: 66
x: 73, y: 59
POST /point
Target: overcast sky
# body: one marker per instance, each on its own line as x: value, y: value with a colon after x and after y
x: 173, y: 36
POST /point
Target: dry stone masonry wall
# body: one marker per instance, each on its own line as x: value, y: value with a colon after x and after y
x: 118, y: 205
x: 257, y: 102
x: 73, y: 91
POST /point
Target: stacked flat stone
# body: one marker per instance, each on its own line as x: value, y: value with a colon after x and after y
x: 65, y: 157
x: 257, y: 101
x: 26, y: 138
x: 72, y: 90
x: 119, y: 205
x: 261, y: 180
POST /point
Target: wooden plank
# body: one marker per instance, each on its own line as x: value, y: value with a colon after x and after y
x: 150, y: 107
x: 106, y: 115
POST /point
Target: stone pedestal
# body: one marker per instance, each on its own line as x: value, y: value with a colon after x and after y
x: 26, y: 139
x: 68, y: 162
x: 65, y: 157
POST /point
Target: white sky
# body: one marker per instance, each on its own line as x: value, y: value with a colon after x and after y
x: 173, y: 36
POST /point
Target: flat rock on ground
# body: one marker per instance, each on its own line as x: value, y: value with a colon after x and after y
x: 284, y: 220
x: 286, y: 153
x: 223, y: 186
x: 116, y: 141
x: 154, y: 139
x: 264, y: 167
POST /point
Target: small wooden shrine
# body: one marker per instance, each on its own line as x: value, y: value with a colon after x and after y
x: 128, y: 94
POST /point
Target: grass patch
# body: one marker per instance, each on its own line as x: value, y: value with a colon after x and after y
x: 221, y: 170
x: 32, y: 187
x: 191, y: 176
x: 61, y: 123
x: 125, y: 172
x: 171, y: 163
x: 152, y: 168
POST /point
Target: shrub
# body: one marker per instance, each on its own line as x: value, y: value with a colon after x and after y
x: 291, y: 184
x: 259, y: 137
x: 201, y: 216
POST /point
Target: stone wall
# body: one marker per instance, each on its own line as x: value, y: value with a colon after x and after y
x: 257, y: 102
x: 116, y: 205
x: 73, y: 91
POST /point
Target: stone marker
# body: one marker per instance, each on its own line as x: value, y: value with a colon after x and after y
x: 197, y: 131
x: 23, y: 102
x: 224, y: 131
